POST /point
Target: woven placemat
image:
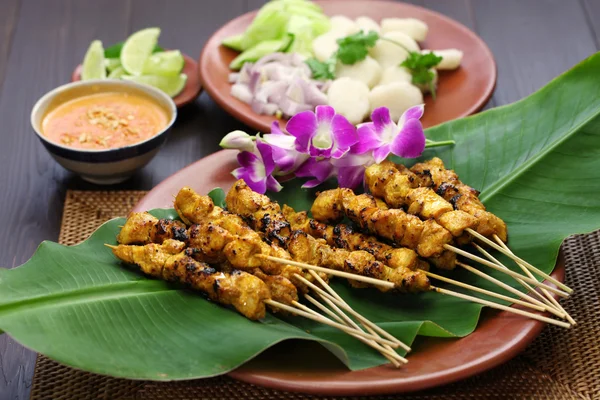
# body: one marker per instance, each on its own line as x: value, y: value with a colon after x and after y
x: 560, y: 364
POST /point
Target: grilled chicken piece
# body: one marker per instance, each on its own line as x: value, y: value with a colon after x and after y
x: 462, y: 197
x: 196, y: 209
x: 328, y: 209
x: 398, y: 186
x: 426, y: 237
x: 245, y: 292
x: 242, y: 251
x: 263, y: 216
x: 343, y: 237
x: 305, y: 248
x: 142, y: 228
x: 218, y: 245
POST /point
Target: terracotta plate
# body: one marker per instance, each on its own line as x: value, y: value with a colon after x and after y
x: 307, y: 367
x: 460, y: 93
x: 188, y: 94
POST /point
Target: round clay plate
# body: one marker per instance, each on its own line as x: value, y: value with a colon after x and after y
x: 309, y: 368
x: 188, y: 94
x: 460, y: 93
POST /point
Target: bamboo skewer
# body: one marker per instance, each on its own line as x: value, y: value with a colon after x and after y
x: 506, y: 271
x: 484, y: 291
x: 546, y: 293
x: 327, y: 321
x: 503, y: 285
x: 439, y: 290
x: 354, y: 325
x: 393, y: 359
x: 502, y: 307
x: 337, y: 317
x: 368, y: 324
x: 386, y: 351
x: 329, y: 271
x: 531, y: 290
x: 520, y: 260
x: 550, y: 307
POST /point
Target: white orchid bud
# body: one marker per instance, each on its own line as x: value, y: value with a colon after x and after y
x: 239, y: 140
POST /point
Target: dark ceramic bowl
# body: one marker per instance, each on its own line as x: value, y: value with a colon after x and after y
x: 103, y: 167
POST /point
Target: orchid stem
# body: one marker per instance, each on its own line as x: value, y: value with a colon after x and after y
x: 430, y: 143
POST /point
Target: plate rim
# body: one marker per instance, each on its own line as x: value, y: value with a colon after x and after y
x: 253, y: 120
x: 531, y: 330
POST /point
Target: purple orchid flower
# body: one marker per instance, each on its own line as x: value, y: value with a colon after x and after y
x: 383, y: 136
x: 349, y: 170
x: 322, y: 133
x: 287, y: 159
x: 319, y: 170
x: 256, y: 169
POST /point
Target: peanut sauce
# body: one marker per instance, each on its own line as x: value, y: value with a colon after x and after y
x: 104, y: 121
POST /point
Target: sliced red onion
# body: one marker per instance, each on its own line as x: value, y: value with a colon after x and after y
x: 295, y: 91
x: 278, y: 81
x: 255, y: 76
x: 234, y: 77
x: 242, y: 92
x: 289, y: 107
x: 244, y: 76
x: 312, y: 94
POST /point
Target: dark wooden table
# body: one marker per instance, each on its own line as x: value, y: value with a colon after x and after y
x: 42, y: 40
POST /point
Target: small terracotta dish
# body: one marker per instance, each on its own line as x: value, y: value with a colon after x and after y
x: 189, y: 93
x: 460, y: 93
x: 434, y: 361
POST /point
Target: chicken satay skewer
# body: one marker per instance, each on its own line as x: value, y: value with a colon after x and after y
x: 549, y: 305
x: 379, y: 282
x: 344, y: 237
x: 455, y: 294
x: 362, y: 209
x: 427, y: 238
x: 448, y: 185
x: 266, y: 215
x: 399, y: 187
x: 141, y: 227
x: 463, y: 197
x: 381, y: 250
x: 245, y: 292
x: 253, y: 205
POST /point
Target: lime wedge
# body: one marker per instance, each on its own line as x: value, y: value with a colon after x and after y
x: 117, y: 73
x: 137, y: 49
x: 93, y: 62
x: 171, y: 85
x: 112, y: 63
x: 166, y: 63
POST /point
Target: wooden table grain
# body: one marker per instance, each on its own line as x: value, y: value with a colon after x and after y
x: 41, y: 41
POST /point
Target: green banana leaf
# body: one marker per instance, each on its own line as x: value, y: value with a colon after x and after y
x: 535, y: 161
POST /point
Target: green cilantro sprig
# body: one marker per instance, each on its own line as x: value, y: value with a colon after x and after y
x: 419, y: 65
x: 355, y: 48
x: 351, y: 49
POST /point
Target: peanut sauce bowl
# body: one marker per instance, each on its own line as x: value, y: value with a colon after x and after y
x: 110, y: 165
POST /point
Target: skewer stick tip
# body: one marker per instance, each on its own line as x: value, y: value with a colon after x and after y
x: 110, y: 246
x: 518, y: 259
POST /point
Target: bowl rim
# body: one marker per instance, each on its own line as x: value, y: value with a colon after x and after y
x: 142, y: 86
